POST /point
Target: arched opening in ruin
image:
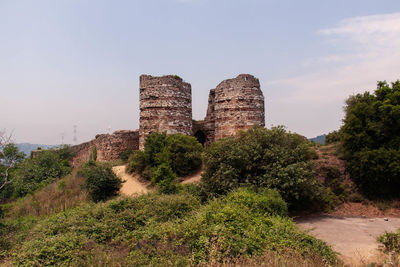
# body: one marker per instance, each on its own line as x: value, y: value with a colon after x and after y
x: 201, y: 137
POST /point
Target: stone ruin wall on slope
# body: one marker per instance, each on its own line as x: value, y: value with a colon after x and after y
x: 165, y: 106
x: 109, y: 146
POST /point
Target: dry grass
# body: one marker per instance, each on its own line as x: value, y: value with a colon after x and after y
x: 58, y: 196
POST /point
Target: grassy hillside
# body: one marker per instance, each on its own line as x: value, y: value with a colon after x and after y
x: 160, y: 230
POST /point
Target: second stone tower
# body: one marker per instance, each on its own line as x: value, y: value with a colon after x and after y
x: 165, y: 106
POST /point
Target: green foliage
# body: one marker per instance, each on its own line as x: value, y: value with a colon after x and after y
x: 164, y: 230
x: 165, y: 178
x: 181, y: 152
x: 93, y: 155
x: 100, y: 181
x: 137, y: 162
x: 61, y: 250
x: 69, y: 237
x: 332, y: 137
x: 371, y: 140
x: 45, y: 168
x: 124, y: 156
x: 264, y: 158
x: 165, y: 157
x: 390, y: 242
x: 10, y: 157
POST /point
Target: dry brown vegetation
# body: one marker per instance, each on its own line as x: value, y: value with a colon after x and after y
x: 63, y: 194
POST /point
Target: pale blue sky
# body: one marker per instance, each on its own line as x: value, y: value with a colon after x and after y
x: 66, y: 62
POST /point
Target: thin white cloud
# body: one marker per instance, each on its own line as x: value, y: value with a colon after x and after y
x: 372, y: 53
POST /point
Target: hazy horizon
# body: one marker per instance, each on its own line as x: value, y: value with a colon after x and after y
x: 66, y: 63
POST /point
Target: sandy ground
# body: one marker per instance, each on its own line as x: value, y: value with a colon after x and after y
x: 353, y: 237
x: 132, y: 185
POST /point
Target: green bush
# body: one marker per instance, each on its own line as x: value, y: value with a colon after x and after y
x: 264, y: 158
x: 137, y: 162
x: 165, y: 178
x: 390, y: 242
x: 45, y: 168
x: 376, y: 172
x: 124, y: 156
x: 183, y: 153
x: 163, y: 230
x: 100, y: 181
x: 332, y: 137
x: 241, y: 225
x: 164, y: 157
x: 371, y: 140
x: 73, y: 236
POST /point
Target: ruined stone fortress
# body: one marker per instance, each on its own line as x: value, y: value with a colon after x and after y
x: 166, y: 106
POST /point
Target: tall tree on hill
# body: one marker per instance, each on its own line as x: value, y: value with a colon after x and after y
x: 371, y: 140
x: 9, y: 157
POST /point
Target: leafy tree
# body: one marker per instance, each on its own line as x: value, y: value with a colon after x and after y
x: 264, y: 159
x: 165, y: 157
x: 371, y: 140
x: 43, y: 169
x: 165, y: 178
x: 124, y: 156
x: 9, y: 158
x: 332, y: 137
x: 101, y: 182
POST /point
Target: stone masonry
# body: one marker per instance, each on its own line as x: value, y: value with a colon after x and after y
x: 165, y: 106
x: 108, y: 146
x: 235, y: 104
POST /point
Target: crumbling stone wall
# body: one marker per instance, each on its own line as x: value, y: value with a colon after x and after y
x: 165, y: 106
x: 108, y: 146
x: 235, y: 104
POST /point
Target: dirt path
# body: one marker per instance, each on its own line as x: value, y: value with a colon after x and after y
x: 354, y: 238
x: 192, y: 179
x: 132, y: 185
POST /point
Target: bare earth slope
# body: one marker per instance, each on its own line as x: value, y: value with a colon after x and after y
x: 132, y: 185
x: 354, y: 238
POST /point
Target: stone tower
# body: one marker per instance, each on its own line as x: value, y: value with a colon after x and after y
x: 235, y: 104
x: 165, y: 106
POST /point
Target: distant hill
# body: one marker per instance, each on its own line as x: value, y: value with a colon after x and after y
x: 27, y: 147
x: 319, y: 139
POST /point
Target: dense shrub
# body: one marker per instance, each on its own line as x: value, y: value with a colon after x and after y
x: 124, y: 156
x: 165, y: 230
x: 165, y: 157
x: 332, y: 137
x: 390, y: 242
x: 137, y: 162
x: 165, y: 178
x: 181, y: 152
x: 100, y: 181
x: 264, y: 158
x: 371, y: 140
x: 78, y: 231
x: 45, y: 168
